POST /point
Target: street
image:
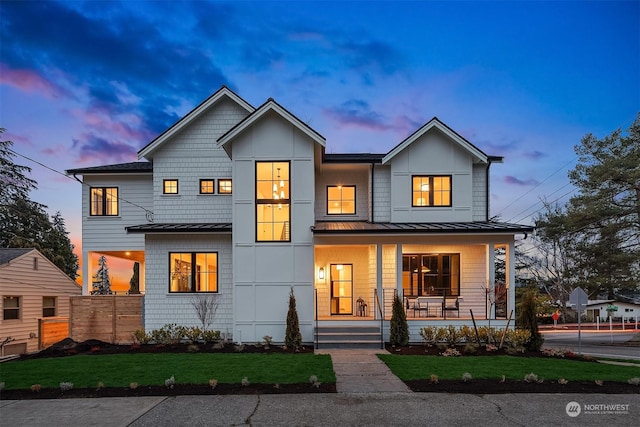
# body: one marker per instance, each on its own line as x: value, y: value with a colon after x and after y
x: 603, y: 343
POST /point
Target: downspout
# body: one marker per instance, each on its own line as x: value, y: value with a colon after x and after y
x: 372, y: 192
x: 487, y: 190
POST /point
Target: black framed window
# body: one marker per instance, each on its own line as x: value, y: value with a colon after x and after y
x: 224, y: 186
x: 431, y: 274
x: 341, y: 199
x: 207, y: 186
x: 273, y: 203
x: 431, y: 190
x: 193, y: 272
x: 103, y: 201
x: 169, y: 186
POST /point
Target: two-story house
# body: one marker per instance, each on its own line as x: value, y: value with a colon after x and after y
x: 244, y: 204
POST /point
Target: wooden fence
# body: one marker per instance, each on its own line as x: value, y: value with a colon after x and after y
x: 51, y: 330
x: 109, y: 318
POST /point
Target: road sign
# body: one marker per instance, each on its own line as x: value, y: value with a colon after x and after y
x: 612, y: 308
x: 578, y: 297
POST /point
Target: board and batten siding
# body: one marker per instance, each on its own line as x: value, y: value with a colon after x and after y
x: 191, y: 156
x: 431, y: 154
x: 18, y: 278
x: 161, y: 306
x: 264, y: 272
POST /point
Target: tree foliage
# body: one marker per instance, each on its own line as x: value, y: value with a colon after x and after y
x: 25, y: 223
x: 527, y: 318
x: 399, y: 328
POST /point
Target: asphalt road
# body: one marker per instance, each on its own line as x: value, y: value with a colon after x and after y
x: 603, y: 343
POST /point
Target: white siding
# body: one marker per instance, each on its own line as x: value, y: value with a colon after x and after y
x: 382, y: 194
x: 480, y: 192
x: 162, y: 307
x: 193, y: 155
x: 265, y: 272
x: 353, y: 174
x: 18, y: 278
x: 432, y: 154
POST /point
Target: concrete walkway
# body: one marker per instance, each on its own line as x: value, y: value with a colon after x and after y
x: 361, y: 371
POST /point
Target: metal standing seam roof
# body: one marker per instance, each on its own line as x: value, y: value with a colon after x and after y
x: 353, y: 227
x: 181, y: 228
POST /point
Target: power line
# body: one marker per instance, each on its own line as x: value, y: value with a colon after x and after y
x: 147, y: 211
x: 540, y: 201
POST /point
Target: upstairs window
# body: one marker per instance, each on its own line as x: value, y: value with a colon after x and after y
x: 431, y: 190
x: 193, y: 272
x: 169, y: 186
x: 104, y: 201
x: 273, y: 203
x: 341, y: 200
x: 206, y: 186
x: 224, y: 186
x: 48, y: 306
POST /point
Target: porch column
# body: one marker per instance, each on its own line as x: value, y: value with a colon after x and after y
x: 379, y: 286
x: 87, y: 268
x: 491, y: 280
x: 399, y: 268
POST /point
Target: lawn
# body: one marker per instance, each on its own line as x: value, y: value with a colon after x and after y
x: 513, y: 368
x: 119, y: 370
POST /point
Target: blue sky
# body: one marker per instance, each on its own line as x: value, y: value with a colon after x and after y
x: 90, y: 83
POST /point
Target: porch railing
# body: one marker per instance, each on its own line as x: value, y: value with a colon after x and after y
x: 379, y: 306
x: 315, y: 340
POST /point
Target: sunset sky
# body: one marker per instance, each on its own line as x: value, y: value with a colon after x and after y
x: 90, y: 83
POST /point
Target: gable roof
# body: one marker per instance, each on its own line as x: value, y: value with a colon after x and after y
x: 223, y: 92
x: 269, y: 105
x: 453, y: 135
x: 9, y: 254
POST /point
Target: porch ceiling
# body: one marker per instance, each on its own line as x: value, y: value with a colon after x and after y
x: 357, y: 227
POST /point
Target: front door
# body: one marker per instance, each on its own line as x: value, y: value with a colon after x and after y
x: 341, y: 277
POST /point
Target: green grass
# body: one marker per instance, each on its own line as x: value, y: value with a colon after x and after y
x: 514, y: 368
x: 119, y: 370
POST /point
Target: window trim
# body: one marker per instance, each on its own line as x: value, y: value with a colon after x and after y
x: 286, y: 203
x: 164, y: 188
x: 220, y: 190
x: 431, y: 193
x: 213, y: 186
x: 104, y: 201
x: 454, y: 288
x: 355, y: 198
x: 54, y: 307
x: 12, y: 309
x: 193, y: 284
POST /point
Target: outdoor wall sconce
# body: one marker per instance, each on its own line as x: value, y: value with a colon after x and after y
x: 321, y: 273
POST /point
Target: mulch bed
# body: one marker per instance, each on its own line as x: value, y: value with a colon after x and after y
x: 69, y: 347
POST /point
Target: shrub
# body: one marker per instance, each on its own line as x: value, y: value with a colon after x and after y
x: 266, y: 340
x: 428, y: 335
x: 100, y: 385
x: 193, y: 348
x: 528, y: 319
x: 213, y: 383
x: 518, y: 338
x: 531, y: 378
x: 562, y: 381
x: 313, y: 379
x: 433, y: 378
x: 170, y: 382
x: 466, y: 377
x: 66, y: 386
x: 193, y: 334
x: 245, y: 381
x: 451, y: 352
x: 141, y: 337
x: 210, y: 336
x: 133, y: 386
x: 292, y: 336
x: 36, y: 388
x: 467, y: 334
x: 399, y: 328
x: 470, y: 348
x: 634, y: 381
x: 452, y: 335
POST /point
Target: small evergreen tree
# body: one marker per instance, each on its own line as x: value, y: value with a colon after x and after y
x: 292, y: 337
x: 134, y: 283
x: 101, y: 282
x: 527, y: 319
x: 399, y: 333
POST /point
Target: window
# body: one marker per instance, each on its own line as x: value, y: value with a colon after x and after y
x: 48, y: 306
x: 193, y: 272
x: 104, y: 201
x: 431, y: 274
x: 35, y: 263
x: 11, y: 308
x: 224, y: 186
x: 341, y: 199
x: 169, y: 186
x: 431, y: 191
x: 206, y: 186
x: 272, y: 202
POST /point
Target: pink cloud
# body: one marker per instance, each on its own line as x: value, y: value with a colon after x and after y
x: 29, y: 81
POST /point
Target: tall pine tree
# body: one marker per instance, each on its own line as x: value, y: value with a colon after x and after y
x: 101, y: 281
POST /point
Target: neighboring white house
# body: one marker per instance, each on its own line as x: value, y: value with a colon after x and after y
x: 618, y: 310
x: 32, y: 289
x: 244, y: 203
